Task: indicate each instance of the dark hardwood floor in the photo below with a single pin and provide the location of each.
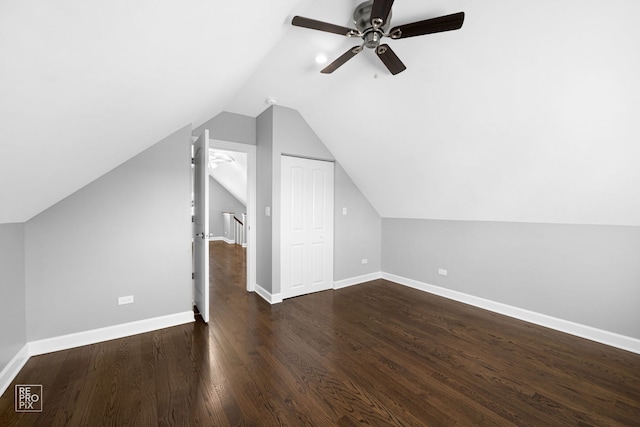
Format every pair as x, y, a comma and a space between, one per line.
374, 354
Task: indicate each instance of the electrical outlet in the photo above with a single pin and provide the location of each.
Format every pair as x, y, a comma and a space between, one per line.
442, 272
364, 260
125, 300
344, 211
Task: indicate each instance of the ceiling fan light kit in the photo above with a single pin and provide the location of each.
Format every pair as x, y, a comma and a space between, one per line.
372, 21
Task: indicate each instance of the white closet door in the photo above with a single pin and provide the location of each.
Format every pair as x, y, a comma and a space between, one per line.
306, 255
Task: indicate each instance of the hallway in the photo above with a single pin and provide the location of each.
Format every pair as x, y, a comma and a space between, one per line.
227, 271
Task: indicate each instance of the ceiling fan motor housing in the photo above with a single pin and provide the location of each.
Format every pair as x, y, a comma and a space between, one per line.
362, 21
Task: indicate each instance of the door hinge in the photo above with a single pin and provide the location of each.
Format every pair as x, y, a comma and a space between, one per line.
193, 161
193, 218
193, 276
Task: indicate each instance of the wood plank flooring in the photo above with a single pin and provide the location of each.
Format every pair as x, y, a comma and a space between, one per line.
376, 354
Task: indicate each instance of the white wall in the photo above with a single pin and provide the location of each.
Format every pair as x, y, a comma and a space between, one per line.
126, 233
13, 331
230, 127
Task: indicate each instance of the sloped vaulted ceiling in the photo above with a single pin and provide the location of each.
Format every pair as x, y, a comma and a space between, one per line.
528, 113
85, 85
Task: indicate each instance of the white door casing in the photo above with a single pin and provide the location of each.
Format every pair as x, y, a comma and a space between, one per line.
201, 225
306, 254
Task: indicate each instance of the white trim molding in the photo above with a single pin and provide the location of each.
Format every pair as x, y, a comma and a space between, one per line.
65, 342
93, 336
339, 284
268, 296
12, 369
221, 238
598, 335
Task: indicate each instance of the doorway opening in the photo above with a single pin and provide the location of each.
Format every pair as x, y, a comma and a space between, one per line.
243, 153
223, 150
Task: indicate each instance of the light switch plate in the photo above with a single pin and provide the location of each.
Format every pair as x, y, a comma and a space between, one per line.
125, 300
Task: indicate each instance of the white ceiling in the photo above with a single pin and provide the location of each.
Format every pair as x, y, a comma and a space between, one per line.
86, 85
528, 113
232, 176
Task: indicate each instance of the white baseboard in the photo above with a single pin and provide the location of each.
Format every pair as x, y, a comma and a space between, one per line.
598, 335
267, 296
222, 238
12, 369
65, 342
357, 280
277, 298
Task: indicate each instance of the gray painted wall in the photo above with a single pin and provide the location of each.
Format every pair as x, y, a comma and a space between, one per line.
230, 127
13, 330
581, 273
282, 130
127, 233
291, 135
264, 196
358, 234
220, 200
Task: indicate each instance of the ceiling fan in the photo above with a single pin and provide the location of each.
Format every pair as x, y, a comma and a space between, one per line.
371, 20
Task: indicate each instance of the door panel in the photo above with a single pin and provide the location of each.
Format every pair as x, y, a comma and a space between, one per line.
201, 225
306, 253
297, 199
318, 198
297, 272
318, 263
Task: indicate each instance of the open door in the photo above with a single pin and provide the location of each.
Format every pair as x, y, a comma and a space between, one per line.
201, 224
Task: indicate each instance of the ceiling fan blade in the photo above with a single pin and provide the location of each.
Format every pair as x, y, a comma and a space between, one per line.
380, 10
340, 61
428, 26
390, 59
300, 21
